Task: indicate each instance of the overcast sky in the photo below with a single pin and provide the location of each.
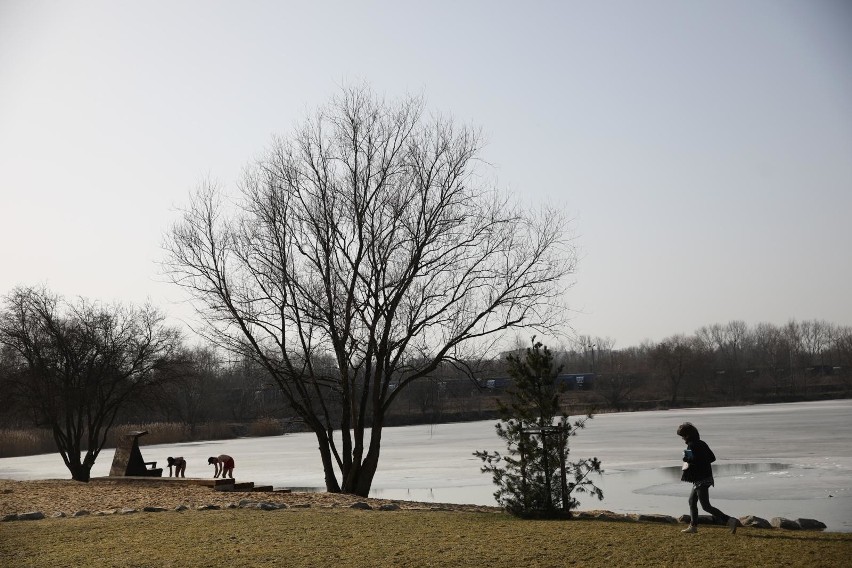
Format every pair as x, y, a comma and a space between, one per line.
703, 149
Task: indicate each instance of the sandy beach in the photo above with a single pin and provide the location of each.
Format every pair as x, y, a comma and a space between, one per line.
53, 496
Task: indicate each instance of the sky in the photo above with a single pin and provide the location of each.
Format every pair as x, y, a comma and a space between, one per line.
703, 150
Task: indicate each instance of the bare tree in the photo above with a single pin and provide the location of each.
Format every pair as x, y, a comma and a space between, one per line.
676, 356
77, 365
189, 394
773, 353
369, 239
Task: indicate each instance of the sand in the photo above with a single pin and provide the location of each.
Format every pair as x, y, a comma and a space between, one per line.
54, 496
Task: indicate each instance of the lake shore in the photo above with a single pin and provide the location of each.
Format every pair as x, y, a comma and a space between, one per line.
51, 496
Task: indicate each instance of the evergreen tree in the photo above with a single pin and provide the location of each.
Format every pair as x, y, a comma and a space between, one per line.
534, 478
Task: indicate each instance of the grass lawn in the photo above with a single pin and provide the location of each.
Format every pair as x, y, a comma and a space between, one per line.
351, 538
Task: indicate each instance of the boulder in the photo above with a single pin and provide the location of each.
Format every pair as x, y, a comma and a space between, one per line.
31, 516
208, 507
154, 509
127, 511
702, 520
58, 515
247, 503
389, 507
756, 522
656, 518
181, 507
784, 523
361, 505
7, 518
81, 513
811, 524
610, 516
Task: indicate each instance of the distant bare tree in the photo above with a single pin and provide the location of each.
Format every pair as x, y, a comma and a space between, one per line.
773, 354
367, 238
676, 357
77, 365
189, 395
617, 389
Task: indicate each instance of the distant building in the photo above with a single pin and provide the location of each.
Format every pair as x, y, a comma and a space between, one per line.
570, 381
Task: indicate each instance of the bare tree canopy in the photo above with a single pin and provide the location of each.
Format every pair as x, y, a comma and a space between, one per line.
75, 365
364, 251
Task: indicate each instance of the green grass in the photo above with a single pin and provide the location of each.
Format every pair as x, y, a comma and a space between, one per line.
350, 538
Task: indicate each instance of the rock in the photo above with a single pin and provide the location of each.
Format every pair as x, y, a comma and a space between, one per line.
301, 506
702, 520
232, 506
7, 518
389, 507
154, 509
656, 519
610, 516
811, 524
756, 522
267, 506
208, 507
81, 513
181, 508
783, 523
58, 515
248, 503
361, 505
31, 516
126, 511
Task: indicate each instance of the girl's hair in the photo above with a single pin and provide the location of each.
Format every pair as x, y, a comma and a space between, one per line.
688, 431
212, 460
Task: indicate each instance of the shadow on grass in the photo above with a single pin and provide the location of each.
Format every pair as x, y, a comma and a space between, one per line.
815, 538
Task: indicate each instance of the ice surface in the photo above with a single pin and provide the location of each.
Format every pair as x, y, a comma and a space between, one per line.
792, 460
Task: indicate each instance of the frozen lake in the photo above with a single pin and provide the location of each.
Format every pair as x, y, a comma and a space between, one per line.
789, 460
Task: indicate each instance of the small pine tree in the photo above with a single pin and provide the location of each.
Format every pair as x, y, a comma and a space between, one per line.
534, 478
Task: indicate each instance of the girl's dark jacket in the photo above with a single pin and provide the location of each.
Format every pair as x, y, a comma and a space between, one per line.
699, 456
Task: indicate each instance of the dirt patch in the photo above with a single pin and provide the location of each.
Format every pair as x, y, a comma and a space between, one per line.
53, 495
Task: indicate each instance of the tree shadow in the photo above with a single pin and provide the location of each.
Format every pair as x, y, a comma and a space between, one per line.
798, 536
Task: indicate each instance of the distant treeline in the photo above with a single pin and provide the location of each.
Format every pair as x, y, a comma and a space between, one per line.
720, 364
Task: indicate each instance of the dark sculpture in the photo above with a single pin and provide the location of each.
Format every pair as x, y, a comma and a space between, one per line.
128, 459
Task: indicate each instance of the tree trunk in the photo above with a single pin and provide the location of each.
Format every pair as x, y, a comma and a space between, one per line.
331, 484
80, 472
364, 479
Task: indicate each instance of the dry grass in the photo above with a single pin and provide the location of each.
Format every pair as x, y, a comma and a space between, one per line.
346, 537
33, 441
25, 442
265, 427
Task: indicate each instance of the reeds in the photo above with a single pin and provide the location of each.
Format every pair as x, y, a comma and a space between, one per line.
28, 442
34, 441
